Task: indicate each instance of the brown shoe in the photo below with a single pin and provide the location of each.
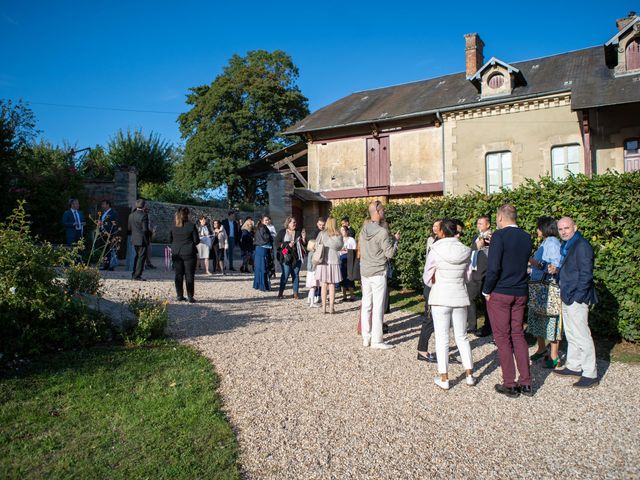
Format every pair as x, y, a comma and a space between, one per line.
280, 295
295, 296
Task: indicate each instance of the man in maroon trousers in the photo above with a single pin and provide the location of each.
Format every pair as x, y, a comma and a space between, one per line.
506, 290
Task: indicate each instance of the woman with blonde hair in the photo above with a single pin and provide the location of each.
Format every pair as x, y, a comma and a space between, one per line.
328, 271
223, 243
247, 236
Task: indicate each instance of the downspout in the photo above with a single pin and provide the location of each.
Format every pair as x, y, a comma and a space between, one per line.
441, 120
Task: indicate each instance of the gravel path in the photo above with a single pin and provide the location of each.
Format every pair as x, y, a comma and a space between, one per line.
308, 401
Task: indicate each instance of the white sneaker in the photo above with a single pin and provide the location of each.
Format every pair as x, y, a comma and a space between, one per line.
382, 346
316, 300
443, 385
366, 341
471, 381
314, 305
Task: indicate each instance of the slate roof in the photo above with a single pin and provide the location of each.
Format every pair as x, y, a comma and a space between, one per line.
584, 73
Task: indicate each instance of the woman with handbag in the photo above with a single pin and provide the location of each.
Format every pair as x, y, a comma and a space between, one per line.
223, 243
545, 325
290, 244
328, 269
204, 247
263, 244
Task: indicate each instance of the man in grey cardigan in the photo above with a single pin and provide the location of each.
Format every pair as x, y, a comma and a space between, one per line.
376, 248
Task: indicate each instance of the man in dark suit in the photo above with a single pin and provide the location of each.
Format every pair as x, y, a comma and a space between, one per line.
232, 228
108, 225
73, 221
479, 261
138, 229
577, 292
506, 289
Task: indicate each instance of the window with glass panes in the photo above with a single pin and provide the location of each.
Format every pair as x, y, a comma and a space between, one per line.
565, 161
499, 172
632, 155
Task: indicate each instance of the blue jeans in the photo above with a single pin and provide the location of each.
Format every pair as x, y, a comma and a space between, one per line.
232, 243
294, 271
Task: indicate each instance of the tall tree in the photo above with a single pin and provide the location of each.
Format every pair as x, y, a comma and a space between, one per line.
237, 119
17, 130
152, 156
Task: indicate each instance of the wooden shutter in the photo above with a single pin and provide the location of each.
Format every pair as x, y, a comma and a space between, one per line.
633, 54
632, 155
378, 163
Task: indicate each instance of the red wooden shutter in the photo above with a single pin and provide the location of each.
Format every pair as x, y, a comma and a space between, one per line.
373, 162
378, 163
633, 54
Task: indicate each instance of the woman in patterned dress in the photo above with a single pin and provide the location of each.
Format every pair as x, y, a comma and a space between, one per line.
545, 328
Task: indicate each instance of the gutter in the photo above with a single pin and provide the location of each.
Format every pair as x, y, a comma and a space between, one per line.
441, 120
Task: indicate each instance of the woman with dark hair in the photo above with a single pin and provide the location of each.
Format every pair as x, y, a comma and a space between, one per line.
264, 246
290, 245
184, 238
445, 271
542, 326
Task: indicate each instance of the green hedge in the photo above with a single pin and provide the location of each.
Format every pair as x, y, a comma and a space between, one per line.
605, 207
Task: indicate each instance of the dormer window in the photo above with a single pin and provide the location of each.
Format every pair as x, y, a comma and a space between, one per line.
622, 51
496, 80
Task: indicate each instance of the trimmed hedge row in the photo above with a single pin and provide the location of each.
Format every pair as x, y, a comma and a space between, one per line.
606, 209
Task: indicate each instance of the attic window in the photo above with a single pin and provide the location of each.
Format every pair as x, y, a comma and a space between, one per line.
496, 80
633, 54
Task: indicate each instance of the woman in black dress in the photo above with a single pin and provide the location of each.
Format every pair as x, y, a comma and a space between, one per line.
184, 238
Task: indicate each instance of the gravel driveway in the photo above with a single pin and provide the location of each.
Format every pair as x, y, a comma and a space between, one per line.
308, 401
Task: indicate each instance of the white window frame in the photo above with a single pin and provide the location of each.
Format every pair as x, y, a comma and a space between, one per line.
561, 167
501, 165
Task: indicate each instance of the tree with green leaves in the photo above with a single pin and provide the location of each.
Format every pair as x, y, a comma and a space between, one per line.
96, 164
237, 119
152, 156
17, 130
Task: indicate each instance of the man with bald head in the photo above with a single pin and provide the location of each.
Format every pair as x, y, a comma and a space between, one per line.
577, 292
376, 249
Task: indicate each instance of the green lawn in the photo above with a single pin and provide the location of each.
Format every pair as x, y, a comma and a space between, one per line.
607, 349
115, 412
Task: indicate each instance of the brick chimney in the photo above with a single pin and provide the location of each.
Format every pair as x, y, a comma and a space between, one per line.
623, 22
473, 53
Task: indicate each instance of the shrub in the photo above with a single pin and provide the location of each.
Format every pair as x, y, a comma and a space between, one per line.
605, 207
152, 316
83, 279
36, 312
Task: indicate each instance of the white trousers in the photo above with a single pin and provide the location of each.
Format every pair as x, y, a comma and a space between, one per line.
581, 352
374, 292
443, 317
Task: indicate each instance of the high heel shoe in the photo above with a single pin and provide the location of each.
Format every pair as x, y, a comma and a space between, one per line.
538, 355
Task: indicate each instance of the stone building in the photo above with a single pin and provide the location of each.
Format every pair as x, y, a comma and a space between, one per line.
490, 127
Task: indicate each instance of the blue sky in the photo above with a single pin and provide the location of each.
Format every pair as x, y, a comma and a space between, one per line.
145, 55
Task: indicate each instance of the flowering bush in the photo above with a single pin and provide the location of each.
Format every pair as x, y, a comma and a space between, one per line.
36, 311
83, 279
152, 318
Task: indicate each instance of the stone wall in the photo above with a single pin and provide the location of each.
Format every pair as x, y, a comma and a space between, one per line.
121, 191
162, 214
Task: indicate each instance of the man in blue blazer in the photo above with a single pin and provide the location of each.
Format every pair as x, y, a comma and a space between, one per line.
73, 221
577, 292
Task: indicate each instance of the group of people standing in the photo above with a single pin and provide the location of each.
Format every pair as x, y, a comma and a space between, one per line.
497, 271
500, 268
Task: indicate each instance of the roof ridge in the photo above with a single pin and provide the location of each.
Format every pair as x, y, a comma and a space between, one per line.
464, 73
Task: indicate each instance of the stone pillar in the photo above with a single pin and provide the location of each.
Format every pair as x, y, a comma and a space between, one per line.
280, 189
125, 187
